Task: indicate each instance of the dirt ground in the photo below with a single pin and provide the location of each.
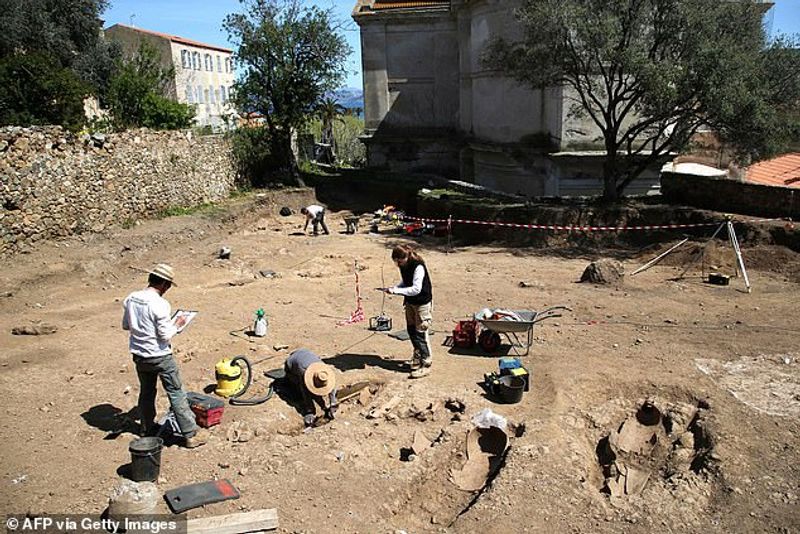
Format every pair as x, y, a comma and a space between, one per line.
720, 364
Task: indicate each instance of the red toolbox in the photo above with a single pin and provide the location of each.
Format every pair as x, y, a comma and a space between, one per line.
465, 334
207, 409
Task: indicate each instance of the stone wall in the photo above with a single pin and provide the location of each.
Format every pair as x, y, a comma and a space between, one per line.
57, 184
731, 196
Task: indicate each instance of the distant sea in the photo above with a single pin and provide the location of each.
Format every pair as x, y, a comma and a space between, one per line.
350, 98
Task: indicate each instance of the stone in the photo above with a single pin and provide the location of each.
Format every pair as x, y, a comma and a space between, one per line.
604, 272
34, 330
22, 143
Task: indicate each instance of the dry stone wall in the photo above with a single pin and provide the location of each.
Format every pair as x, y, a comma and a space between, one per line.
57, 184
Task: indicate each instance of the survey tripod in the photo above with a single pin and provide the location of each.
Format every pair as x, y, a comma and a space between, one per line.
727, 224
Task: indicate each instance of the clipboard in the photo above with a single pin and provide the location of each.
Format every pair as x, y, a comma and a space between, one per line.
189, 315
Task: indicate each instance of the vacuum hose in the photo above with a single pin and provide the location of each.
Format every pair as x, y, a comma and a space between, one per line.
234, 399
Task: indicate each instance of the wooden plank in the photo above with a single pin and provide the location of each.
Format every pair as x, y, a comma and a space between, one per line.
255, 521
351, 390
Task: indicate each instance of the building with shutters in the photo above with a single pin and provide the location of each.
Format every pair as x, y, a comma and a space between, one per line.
204, 73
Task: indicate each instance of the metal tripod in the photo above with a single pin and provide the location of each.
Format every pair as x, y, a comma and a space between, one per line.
734, 241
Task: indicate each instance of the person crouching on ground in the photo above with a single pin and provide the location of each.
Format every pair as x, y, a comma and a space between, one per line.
314, 381
316, 216
418, 301
147, 318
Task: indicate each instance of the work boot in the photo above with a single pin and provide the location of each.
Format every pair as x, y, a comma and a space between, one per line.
422, 371
200, 438
414, 363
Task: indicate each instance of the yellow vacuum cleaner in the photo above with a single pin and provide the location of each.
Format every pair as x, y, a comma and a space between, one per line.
231, 385
229, 377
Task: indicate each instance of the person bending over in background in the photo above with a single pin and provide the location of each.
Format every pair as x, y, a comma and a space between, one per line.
316, 216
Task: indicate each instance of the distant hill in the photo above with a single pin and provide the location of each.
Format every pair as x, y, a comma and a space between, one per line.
350, 98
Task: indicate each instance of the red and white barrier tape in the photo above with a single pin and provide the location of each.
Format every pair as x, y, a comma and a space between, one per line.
358, 315
576, 228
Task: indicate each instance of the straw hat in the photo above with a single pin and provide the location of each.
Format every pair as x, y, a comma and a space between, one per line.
163, 271
319, 379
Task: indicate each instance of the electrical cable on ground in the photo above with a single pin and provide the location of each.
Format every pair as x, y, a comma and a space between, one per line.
238, 333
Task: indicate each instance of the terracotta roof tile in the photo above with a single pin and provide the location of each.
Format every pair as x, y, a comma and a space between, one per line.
781, 171
367, 7
177, 39
400, 4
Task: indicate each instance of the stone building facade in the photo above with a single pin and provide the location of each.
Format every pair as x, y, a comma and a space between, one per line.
204, 73
431, 104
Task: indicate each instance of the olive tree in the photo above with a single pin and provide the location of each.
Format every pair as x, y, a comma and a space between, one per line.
651, 73
289, 55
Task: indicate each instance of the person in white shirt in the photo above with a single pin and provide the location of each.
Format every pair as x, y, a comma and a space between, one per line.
418, 301
147, 317
316, 216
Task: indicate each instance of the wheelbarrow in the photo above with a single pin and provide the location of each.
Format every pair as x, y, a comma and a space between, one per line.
519, 334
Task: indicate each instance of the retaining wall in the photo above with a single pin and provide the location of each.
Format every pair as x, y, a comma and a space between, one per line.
731, 196
56, 184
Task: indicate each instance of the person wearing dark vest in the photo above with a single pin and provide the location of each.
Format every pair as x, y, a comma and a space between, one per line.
418, 302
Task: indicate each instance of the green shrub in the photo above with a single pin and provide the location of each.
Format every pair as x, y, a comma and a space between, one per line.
163, 114
252, 155
206, 129
135, 95
37, 90
350, 151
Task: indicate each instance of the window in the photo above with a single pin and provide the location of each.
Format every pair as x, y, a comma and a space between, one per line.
233, 65
212, 100
199, 91
217, 94
231, 92
189, 95
207, 96
223, 93
196, 60
219, 63
227, 64
186, 59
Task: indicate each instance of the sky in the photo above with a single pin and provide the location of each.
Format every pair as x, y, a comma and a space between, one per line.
201, 20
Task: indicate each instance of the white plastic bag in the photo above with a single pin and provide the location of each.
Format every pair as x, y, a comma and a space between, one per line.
487, 418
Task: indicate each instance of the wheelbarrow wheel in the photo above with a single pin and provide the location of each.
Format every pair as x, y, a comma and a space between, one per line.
489, 341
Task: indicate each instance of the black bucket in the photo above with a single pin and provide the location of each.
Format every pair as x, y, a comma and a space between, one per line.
145, 459
509, 389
